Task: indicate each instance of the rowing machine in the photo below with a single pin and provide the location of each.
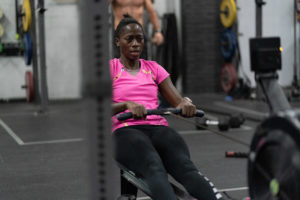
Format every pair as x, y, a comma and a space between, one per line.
274, 158
142, 185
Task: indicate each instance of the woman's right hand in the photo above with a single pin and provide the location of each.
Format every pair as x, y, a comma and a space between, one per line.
138, 111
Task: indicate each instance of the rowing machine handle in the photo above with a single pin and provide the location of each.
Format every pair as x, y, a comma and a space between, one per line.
128, 115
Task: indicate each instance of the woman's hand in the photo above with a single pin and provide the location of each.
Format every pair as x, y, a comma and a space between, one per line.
188, 108
138, 110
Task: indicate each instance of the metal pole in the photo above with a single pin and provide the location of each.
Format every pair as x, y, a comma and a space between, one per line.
95, 44
274, 94
35, 70
259, 4
17, 15
296, 76
42, 57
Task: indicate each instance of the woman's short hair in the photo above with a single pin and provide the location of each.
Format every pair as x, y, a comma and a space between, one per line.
124, 22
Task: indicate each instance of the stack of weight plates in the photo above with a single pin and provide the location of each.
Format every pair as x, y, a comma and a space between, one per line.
228, 75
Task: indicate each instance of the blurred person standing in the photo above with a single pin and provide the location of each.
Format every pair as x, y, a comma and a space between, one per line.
135, 8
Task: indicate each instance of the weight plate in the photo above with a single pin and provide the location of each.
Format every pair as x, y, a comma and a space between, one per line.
26, 15
274, 159
228, 44
228, 77
29, 86
28, 49
227, 12
1, 31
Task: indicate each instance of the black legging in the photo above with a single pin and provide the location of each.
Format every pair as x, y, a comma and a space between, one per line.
152, 151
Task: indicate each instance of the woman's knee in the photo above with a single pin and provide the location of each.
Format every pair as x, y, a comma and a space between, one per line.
172, 145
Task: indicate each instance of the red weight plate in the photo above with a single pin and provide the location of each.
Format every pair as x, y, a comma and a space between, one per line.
29, 86
228, 77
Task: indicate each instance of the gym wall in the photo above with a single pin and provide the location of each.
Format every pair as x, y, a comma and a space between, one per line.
201, 47
63, 50
201, 40
62, 53
277, 21
201, 33
12, 69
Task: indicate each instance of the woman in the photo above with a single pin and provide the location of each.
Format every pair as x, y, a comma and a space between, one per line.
146, 145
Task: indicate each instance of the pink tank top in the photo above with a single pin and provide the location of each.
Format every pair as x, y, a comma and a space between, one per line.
141, 88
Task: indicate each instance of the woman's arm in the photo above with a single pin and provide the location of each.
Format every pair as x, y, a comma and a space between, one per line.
118, 107
158, 37
138, 110
171, 94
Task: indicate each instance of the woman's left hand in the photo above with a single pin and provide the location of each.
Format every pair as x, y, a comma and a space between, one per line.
188, 108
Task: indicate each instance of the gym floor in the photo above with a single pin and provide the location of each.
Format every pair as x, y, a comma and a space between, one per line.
45, 156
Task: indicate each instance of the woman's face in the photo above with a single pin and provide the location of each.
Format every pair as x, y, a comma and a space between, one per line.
131, 41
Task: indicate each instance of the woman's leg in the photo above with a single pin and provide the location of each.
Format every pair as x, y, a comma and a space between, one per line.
176, 158
134, 150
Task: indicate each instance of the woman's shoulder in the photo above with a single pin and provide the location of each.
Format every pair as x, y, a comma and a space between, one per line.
150, 64
115, 66
115, 63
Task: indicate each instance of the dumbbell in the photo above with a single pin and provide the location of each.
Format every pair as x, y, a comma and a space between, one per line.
222, 123
236, 120
232, 121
